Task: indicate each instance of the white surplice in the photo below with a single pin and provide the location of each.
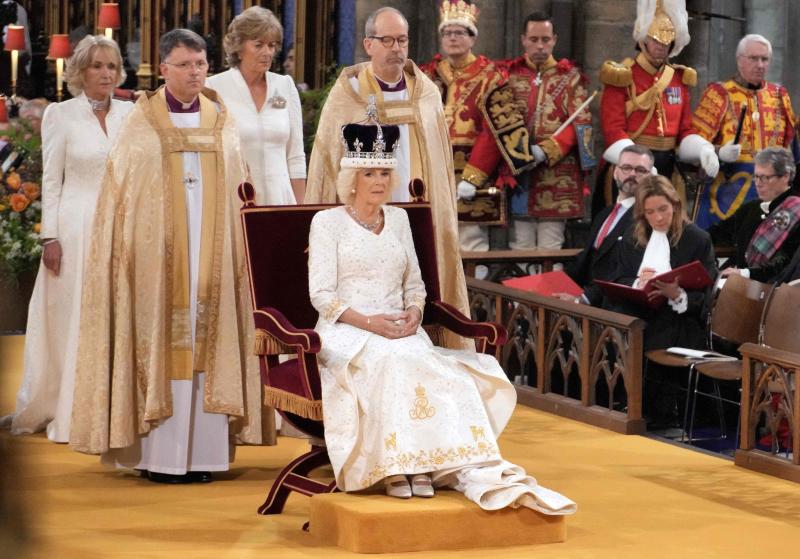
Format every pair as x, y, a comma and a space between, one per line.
74, 154
405, 406
272, 138
191, 439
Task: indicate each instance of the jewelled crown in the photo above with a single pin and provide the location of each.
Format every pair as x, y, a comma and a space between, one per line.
369, 146
458, 12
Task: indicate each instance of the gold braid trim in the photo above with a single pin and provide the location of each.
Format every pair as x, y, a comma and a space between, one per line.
267, 344
689, 74
616, 74
292, 403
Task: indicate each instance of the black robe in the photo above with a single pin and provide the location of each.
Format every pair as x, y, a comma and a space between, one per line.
666, 328
737, 230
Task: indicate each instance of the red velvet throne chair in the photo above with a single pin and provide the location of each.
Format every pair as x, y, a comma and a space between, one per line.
276, 243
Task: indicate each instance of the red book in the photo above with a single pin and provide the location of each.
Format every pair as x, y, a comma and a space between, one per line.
546, 283
691, 276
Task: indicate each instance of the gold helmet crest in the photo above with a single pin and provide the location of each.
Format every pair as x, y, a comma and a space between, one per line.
665, 21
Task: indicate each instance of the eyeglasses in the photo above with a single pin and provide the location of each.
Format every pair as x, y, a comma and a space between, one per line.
631, 169
755, 59
455, 33
388, 41
765, 178
186, 66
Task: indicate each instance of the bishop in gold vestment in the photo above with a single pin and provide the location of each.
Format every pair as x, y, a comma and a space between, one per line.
166, 325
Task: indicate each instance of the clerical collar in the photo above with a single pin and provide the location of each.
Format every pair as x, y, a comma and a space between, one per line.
386, 87
176, 106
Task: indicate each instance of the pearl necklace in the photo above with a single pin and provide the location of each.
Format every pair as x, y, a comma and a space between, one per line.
371, 227
98, 106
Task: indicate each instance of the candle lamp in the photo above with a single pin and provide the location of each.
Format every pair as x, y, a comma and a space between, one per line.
108, 18
59, 50
15, 42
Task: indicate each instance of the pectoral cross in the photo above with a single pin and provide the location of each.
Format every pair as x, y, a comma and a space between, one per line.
190, 181
537, 81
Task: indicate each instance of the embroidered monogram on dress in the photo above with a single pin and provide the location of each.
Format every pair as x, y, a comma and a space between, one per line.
421, 410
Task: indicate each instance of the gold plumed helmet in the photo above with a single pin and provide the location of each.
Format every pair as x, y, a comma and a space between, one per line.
665, 21
458, 12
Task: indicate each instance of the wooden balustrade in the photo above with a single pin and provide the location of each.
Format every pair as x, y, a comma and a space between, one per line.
573, 360
770, 404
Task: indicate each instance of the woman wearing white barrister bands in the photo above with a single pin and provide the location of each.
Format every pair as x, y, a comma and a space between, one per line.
76, 138
265, 106
398, 410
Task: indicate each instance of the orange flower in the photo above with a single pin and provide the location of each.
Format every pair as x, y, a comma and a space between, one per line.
13, 181
19, 202
31, 190
37, 228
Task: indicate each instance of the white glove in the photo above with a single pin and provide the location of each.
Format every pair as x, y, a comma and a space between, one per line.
465, 190
612, 152
695, 149
730, 152
538, 154
709, 161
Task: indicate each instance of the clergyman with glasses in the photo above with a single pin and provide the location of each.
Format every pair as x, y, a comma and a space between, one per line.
599, 258
403, 95
164, 329
764, 231
741, 116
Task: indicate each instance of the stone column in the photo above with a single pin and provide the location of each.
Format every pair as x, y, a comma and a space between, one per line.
770, 18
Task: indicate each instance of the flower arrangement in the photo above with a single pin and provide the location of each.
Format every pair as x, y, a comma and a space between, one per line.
20, 192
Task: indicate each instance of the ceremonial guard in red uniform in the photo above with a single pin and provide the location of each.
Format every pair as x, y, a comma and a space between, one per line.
539, 123
741, 116
646, 100
464, 79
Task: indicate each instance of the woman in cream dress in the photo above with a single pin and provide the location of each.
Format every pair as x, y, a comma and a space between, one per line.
76, 138
395, 405
265, 106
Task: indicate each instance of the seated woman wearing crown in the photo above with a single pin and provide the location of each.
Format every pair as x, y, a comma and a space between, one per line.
395, 406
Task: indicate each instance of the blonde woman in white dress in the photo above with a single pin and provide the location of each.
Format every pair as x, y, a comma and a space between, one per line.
265, 106
397, 410
76, 138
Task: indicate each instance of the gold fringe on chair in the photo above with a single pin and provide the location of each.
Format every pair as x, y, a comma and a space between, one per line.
292, 403
436, 334
266, 344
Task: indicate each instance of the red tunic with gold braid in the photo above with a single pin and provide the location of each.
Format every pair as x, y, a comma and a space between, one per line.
649, 105
770, 122
551, 92
463, 90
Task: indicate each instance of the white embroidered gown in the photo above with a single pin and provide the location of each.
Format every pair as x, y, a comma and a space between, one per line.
272, 138
405, 406
74, 153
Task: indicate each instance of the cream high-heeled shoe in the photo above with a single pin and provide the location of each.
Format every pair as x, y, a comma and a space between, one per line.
422, 486
397, 486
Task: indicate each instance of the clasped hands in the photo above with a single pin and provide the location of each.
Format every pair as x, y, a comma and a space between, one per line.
670, 290
396, 325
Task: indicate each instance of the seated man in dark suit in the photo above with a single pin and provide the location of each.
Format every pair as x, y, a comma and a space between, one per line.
598, 259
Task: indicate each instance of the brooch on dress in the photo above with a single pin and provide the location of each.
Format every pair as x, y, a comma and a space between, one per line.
782, 220
277, 102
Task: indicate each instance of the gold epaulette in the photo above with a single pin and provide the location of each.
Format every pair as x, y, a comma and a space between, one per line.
689, 74
618, 74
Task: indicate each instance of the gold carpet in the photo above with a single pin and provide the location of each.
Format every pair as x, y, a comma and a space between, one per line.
637, 497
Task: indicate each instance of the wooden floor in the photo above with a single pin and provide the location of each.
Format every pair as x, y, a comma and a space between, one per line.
638, 498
